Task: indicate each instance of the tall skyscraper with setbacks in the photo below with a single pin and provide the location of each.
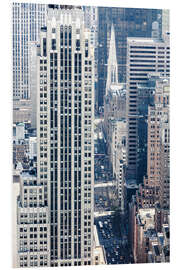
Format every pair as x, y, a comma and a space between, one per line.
65, 110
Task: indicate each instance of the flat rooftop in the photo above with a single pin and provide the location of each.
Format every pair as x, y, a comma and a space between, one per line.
145, 40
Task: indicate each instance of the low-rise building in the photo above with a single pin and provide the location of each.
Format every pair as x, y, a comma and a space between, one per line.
144, 223
149, 246
20, 150
22, 111
32, 224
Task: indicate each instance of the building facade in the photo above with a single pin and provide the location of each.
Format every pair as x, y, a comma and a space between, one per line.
146, 92
164, 191
155, 186
91, 23
32, 58
144, 56
33, 242
65, 150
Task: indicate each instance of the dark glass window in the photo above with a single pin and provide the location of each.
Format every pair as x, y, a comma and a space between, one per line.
53, 44
44, 47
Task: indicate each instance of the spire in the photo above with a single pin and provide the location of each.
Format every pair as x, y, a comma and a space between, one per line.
112, 72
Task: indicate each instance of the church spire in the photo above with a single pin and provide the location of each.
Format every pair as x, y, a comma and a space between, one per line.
112, 68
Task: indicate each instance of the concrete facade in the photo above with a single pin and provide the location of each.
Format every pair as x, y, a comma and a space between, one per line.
33, 242
65, 134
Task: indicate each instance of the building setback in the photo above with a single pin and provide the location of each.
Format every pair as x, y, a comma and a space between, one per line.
65, 149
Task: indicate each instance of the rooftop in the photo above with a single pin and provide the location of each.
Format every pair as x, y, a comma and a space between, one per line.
145, 40
27, 176
112, 120
52, 6
146, 218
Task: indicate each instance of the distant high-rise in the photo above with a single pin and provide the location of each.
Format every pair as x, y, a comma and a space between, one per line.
128, 22
146, 92
165, 22
158, 119
164, 183
144, 56
165, 165
32, 58
65, 111
27, 20
91, 22
155, 188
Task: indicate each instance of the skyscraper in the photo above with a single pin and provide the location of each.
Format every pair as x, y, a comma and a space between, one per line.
27, 20
146, 92
158, 123
65, 110
32, 58
144, 56
156, 184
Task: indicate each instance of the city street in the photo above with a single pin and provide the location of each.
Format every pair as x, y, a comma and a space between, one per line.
115, 244
116, 247
104, 181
